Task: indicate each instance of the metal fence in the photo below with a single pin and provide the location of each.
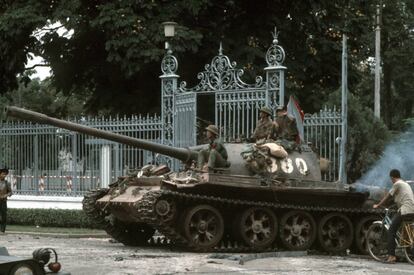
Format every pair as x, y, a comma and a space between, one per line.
322, 130
47, 160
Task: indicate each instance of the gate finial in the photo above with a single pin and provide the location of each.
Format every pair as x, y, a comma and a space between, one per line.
275, 34
221, 48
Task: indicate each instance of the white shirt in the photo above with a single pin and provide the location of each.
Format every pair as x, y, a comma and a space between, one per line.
403, 197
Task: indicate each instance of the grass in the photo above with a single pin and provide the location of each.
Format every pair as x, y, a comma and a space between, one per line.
59, 230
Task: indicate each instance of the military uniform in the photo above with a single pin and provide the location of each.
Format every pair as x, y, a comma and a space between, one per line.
215, 155
5, 190
264, 129
286, 128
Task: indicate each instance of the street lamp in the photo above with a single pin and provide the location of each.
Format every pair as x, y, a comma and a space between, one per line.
169, 28
169, 31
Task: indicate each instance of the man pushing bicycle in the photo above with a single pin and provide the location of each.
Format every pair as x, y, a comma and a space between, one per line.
403, 196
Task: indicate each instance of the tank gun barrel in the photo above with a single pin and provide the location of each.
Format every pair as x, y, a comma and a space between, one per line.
182, 154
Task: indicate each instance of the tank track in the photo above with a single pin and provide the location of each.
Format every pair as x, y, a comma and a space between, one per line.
88, 205
145, 209
99, 217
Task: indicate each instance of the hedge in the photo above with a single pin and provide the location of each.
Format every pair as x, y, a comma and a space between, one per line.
50, 218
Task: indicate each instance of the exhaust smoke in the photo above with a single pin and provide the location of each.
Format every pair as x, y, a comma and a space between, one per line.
399, 154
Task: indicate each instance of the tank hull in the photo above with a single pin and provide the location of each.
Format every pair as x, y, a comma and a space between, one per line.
171, 207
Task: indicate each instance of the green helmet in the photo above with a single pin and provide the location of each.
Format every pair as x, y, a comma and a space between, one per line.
266, 110
213, 129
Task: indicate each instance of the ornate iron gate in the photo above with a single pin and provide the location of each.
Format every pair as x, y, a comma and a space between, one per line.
237, 104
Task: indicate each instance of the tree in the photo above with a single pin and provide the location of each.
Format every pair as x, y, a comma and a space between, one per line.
41, 96
116, 46
367, 136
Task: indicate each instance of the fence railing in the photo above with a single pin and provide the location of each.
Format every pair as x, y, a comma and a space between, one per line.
47, 160
322, 130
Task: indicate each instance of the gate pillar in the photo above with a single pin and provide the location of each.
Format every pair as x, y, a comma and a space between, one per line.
169, 78
275, 75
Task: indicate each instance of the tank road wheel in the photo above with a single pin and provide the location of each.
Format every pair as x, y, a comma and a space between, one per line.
166, 209
335, 232
203, 227
297, 230
258, 227
377, 242
361, 230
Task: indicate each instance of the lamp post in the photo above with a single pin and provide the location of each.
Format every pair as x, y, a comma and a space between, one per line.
169, 31
343, 140
377, 92
169, 79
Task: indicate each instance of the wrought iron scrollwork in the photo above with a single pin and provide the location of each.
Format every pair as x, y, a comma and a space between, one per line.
275, 55
169, 64
220, 75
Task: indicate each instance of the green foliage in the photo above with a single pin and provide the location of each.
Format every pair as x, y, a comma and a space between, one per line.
116, 46
50, 217
43, 97
367, 136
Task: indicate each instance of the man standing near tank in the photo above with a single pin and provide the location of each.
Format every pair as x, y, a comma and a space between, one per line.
5, 191
215, 156
264, 127
403, 196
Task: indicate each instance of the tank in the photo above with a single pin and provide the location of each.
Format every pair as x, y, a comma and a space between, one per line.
262, 201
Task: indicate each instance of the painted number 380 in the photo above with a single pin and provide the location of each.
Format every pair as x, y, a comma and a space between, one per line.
287, 166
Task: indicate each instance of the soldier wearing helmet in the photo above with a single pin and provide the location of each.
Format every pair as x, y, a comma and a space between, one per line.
286, 128
264, 127
215, 156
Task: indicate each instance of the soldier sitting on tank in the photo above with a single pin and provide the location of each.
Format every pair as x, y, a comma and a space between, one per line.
215, 156
286, 131
264, 127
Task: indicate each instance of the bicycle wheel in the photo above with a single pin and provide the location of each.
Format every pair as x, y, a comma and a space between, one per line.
376, 240
409, 254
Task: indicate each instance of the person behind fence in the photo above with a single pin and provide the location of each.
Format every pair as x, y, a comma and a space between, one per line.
68, 184
264, 127
5, 191
285, 125
215, 156
41, 184
403, 196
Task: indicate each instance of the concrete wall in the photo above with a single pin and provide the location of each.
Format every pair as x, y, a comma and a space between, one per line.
45, 202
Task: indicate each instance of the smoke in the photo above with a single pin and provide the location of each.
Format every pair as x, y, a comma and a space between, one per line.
399, 154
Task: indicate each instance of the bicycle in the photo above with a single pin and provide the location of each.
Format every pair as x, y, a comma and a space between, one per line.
376, 237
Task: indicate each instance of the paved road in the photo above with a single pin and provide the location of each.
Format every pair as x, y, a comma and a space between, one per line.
100, 256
